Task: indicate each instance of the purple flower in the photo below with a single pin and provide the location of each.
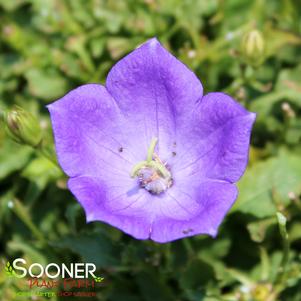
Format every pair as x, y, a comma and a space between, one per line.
148, 153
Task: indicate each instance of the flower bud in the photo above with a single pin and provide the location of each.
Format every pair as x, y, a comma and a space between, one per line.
287, 110
262, 292
23, 127
253, 48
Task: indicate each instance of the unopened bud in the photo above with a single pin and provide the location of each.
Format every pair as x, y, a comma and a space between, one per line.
287, 109
292, 196
262, 292
253, 48
23, 127
191, 53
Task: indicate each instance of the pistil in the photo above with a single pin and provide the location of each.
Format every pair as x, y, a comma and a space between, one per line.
152, 173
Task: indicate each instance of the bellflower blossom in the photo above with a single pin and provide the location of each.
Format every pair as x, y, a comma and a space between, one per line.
148, 153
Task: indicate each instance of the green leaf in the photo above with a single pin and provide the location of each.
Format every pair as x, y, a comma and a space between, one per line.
276, 38
196, 275
152, 286
47, 85
41, 171
295, 232
13, 157
289, 80
17, 244
13, 4
287, 88
258, 228
97, 248
267, 183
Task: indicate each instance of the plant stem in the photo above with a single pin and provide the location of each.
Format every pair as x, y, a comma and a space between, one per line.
21, 211
47, 151
286, 247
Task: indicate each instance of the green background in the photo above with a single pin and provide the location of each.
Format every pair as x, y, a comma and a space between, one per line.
48, 47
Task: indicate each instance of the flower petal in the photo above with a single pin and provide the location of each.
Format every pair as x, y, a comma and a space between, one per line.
122, 207
156, 91
217, 139
88, 134
215, 198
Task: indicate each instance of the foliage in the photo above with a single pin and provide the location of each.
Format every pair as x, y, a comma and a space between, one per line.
50, 47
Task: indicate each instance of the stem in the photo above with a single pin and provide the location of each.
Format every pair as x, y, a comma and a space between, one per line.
265, 264
188, 246
2, 115
21, 211
286, 247
241, 277
47, 151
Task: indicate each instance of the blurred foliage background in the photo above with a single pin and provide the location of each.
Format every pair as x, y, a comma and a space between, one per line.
249, 49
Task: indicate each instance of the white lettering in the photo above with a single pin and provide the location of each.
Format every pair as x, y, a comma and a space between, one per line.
57, 268
69, 271
90, 271
20, 268
79, 269
36, 265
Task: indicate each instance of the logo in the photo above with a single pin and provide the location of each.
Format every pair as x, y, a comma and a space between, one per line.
9, 270
74, 279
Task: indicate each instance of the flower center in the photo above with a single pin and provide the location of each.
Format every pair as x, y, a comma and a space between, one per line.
153, 175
